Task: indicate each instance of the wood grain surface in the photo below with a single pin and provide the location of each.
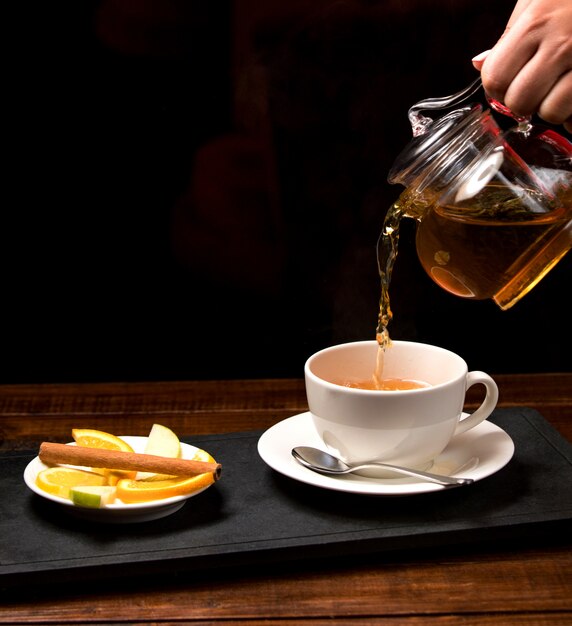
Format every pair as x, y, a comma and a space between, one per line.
506, 584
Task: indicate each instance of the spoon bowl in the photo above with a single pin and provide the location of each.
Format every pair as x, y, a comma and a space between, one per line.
326, 463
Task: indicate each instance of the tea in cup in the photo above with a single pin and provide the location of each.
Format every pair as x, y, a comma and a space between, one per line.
406, 418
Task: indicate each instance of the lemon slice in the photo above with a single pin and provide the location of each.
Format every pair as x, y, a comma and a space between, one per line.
157, 488
59, 480
90, 438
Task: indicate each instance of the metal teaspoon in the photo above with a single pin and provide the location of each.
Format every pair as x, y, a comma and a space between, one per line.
325, 463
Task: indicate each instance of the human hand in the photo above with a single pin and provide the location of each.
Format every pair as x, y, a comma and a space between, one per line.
530, 67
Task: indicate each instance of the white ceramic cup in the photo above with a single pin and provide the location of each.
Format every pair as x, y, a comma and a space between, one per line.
402, 427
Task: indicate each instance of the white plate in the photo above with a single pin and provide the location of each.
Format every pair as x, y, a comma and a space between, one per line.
118, 512
481, 451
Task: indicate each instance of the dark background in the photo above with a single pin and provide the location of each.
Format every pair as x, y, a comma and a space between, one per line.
194, 189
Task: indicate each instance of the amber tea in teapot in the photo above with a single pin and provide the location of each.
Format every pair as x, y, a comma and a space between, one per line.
493, 208
491, 247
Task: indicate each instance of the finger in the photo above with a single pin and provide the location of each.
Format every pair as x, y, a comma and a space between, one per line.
504, 63
545, 80
519, 8
556, 107
516, 46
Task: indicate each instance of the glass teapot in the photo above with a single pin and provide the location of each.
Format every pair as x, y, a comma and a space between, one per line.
494, 208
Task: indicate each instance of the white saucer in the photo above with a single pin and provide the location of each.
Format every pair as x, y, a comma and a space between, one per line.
118, 512
480, 452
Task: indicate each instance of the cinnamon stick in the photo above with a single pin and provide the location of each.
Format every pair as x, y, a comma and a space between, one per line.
59, 453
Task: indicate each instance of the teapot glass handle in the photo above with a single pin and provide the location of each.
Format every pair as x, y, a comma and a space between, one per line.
420, 123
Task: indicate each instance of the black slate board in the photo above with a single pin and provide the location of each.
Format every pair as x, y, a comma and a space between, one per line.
255, 515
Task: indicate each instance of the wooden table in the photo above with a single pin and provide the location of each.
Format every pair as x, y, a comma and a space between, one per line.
500, 584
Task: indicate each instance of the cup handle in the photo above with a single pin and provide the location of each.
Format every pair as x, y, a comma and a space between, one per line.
487, 406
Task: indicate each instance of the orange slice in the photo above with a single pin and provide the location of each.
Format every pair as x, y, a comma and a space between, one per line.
160, 487
90, 438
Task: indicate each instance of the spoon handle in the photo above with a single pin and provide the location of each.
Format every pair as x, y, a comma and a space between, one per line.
434, 478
